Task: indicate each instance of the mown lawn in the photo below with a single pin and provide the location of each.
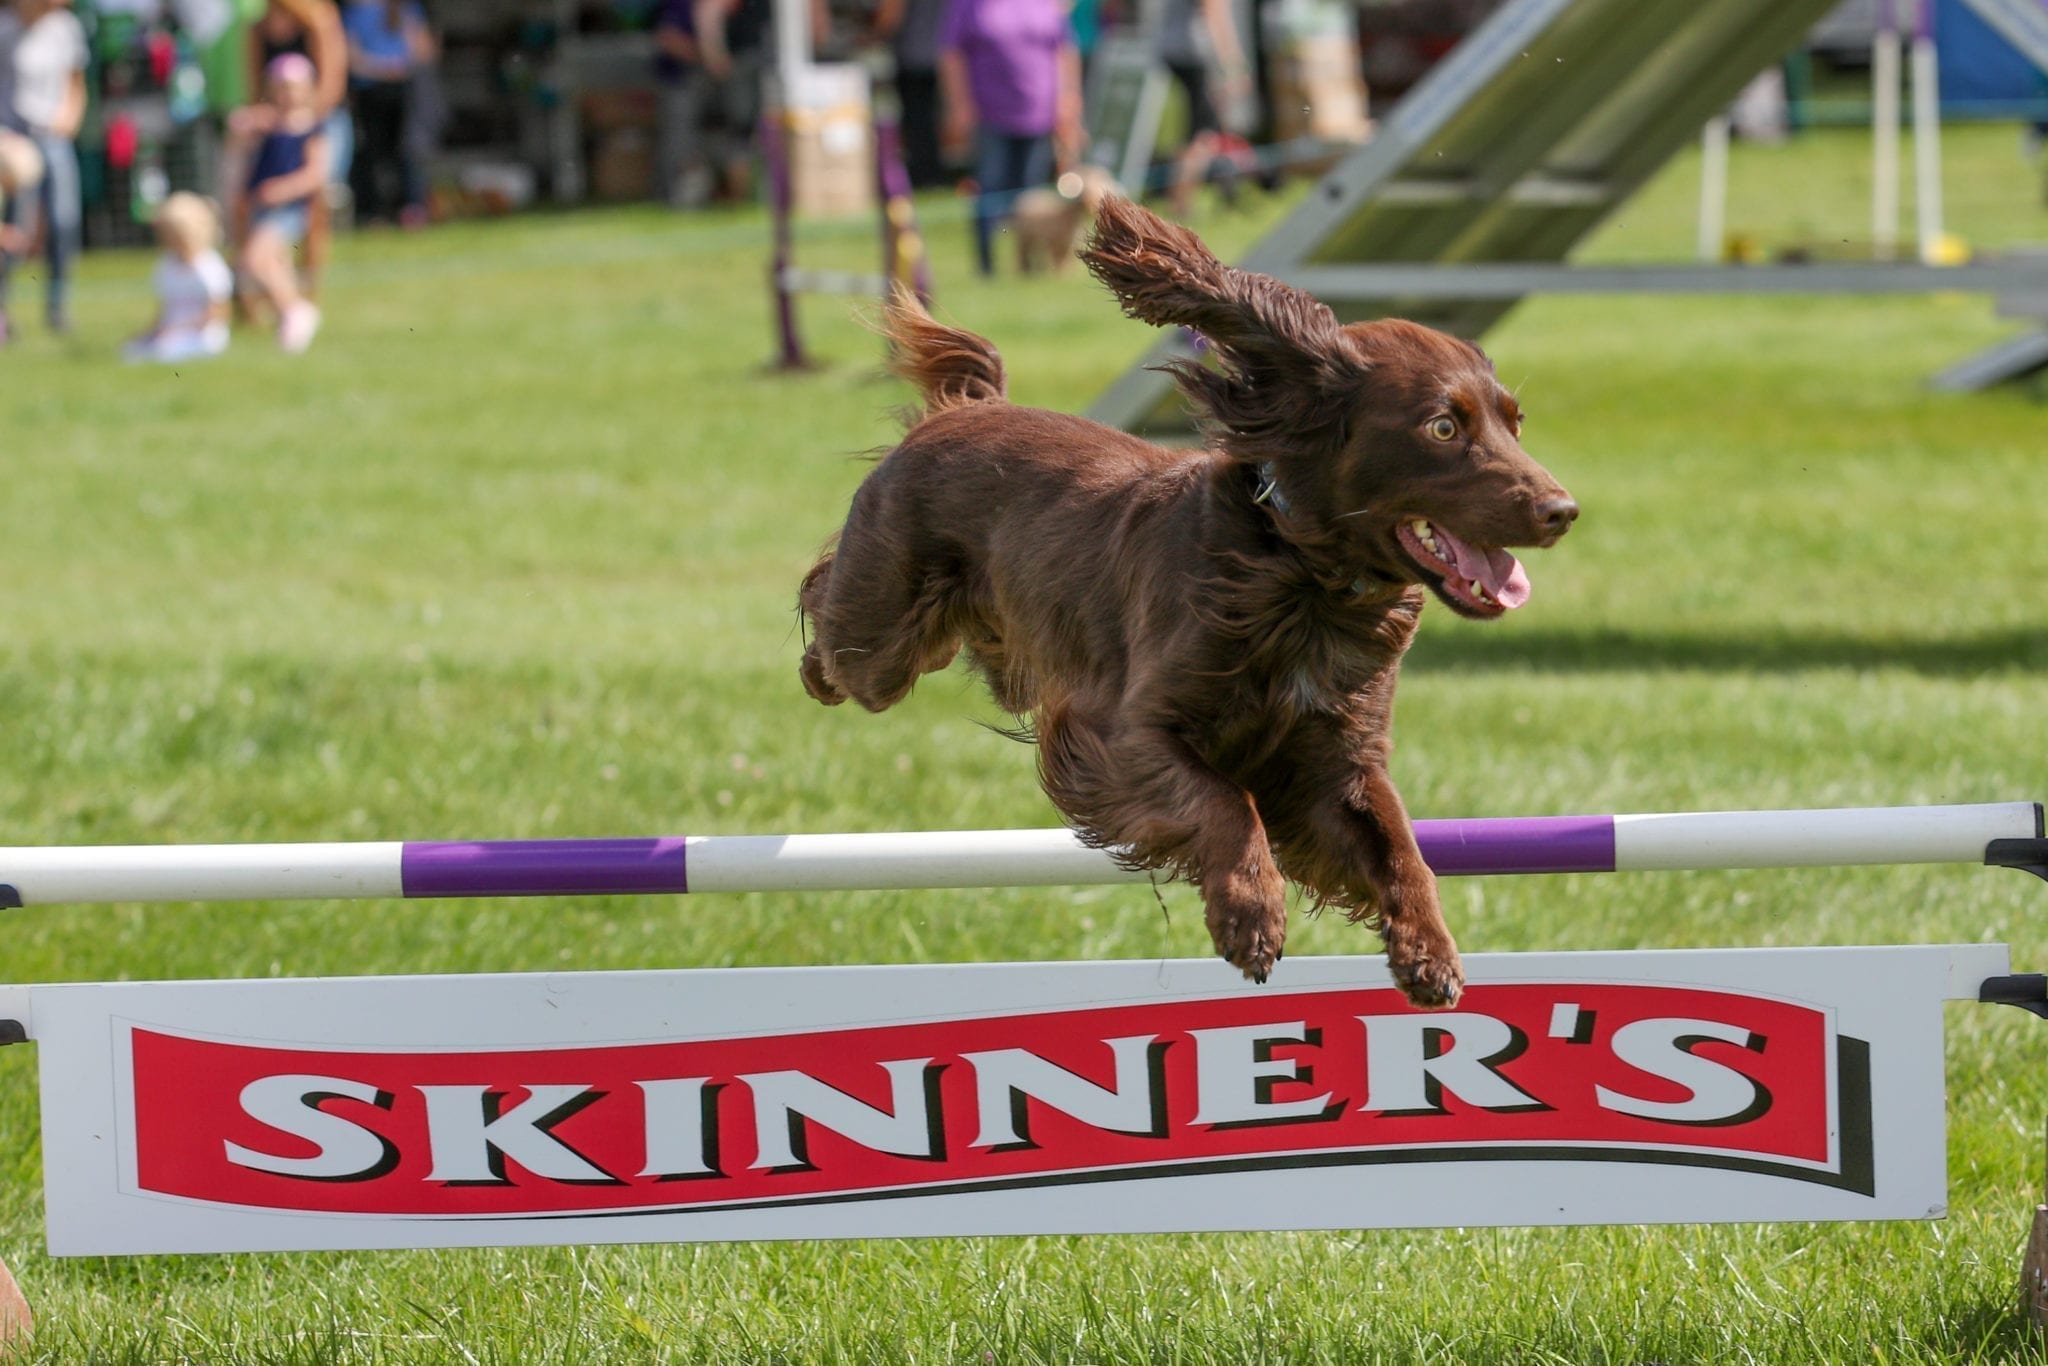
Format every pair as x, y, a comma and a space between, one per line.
512, 553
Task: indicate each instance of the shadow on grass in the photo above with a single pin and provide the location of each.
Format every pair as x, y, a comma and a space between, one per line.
1981, 1331
1710, 652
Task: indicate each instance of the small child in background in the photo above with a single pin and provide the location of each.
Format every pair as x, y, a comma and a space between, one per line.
193, 286
21, 169
289, 168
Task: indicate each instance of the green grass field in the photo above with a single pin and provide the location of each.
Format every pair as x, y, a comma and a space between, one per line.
512, 553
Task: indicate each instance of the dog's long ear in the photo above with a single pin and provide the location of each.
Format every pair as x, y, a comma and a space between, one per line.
1289, 367
1162, 274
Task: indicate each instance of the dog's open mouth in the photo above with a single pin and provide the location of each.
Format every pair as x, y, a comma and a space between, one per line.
1483, 582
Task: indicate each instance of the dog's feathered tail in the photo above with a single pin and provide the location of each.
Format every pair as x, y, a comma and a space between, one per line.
950, 368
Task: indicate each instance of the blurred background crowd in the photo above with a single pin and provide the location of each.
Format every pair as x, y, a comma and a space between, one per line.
431, 109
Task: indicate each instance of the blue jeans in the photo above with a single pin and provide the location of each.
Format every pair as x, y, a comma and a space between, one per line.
286, 220
57, 205
341, 145
1005, 164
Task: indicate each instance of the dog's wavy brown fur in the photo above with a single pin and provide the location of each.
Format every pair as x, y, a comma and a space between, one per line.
1204, 641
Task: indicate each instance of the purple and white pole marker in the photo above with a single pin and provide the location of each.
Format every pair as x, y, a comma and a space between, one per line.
966, 858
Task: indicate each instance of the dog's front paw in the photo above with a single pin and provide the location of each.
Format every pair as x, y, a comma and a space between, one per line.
1248, 922
1425, 965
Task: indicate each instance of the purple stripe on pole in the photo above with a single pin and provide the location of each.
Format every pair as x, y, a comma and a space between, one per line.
544, 868
1520, 844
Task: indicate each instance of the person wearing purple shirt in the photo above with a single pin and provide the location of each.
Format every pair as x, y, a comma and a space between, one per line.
1012, 81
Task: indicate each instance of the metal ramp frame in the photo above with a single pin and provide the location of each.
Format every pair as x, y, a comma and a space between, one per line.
2022, 23
1511, 151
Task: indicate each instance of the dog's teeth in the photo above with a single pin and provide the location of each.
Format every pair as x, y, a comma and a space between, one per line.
1426, 534
1478, 589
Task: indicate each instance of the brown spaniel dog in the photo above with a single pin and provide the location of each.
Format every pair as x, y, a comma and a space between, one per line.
1204, 641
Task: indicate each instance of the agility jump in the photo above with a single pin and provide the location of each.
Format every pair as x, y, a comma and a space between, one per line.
1688, 1086
971, 858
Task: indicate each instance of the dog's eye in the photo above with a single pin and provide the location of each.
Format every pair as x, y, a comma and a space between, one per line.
1442, 428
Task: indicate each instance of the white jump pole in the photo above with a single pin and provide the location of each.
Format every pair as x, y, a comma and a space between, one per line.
1713, 225
971, 858
792, 44
1884, 132
1926, 134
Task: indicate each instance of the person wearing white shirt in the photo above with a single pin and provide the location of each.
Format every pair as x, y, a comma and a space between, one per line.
193, 286
42, 94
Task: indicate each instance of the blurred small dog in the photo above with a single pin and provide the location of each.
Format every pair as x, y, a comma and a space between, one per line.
1048, 223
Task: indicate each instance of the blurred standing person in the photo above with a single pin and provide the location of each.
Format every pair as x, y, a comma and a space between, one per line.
1086, 17
736, 49
911, 28
42, 95
734, 42
426, 118
678, 70
1191, 33
311, 28
387, 41
21, 170
1011, 79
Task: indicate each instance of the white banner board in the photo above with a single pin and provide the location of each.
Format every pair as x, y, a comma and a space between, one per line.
1645, 1087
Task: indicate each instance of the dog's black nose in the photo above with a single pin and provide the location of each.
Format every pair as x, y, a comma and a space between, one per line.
1556, 515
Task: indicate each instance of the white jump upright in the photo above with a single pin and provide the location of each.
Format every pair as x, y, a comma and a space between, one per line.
948, 1099
1926, 67
1885, 85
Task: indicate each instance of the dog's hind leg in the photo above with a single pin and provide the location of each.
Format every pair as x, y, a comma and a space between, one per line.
810, 603
875, 630
1142, 793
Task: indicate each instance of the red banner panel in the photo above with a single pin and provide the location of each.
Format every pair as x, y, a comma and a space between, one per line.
1584, 1071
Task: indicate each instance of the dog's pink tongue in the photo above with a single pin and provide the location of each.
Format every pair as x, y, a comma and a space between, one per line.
1502, 574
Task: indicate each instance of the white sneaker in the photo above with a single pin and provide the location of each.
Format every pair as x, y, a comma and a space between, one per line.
295, 332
